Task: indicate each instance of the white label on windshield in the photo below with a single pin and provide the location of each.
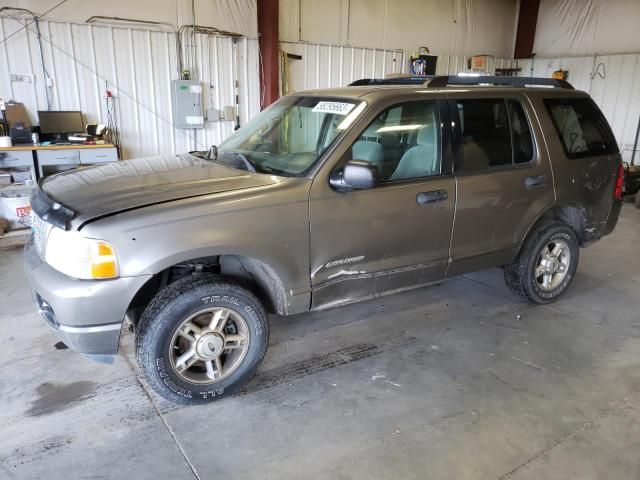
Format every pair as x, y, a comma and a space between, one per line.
339, 108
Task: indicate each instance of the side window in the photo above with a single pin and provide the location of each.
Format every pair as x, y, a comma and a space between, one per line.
583, 130
403, 141
494, 133
522, 140
486, 139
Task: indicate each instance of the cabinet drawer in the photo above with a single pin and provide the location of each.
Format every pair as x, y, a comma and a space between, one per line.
98, 155
58, 157
16, 159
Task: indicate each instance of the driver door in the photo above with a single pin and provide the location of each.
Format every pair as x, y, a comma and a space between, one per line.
395, 235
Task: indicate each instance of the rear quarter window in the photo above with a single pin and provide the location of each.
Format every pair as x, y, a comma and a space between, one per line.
581, 127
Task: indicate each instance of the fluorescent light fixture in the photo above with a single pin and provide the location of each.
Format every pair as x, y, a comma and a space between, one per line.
399, 128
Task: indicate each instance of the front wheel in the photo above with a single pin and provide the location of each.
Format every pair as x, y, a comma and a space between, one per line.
201, 338
546, 264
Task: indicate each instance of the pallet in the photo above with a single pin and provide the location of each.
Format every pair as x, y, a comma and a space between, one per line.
15, 238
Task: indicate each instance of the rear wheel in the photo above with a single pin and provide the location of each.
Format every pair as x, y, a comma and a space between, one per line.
546, 264
201, 338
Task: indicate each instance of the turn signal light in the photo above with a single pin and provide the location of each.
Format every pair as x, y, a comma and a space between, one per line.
103, 264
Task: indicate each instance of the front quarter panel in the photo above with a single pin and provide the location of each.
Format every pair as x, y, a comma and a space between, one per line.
269, 224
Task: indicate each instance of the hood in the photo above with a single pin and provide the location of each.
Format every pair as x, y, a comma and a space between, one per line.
114, 187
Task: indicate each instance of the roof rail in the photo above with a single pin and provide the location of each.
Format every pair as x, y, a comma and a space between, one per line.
445, 80
412, 80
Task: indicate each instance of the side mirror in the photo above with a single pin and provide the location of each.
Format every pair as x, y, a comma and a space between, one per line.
355, 175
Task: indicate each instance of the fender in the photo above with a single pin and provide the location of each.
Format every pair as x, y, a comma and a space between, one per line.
271, 238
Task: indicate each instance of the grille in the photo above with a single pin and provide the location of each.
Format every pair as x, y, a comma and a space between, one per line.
41, 230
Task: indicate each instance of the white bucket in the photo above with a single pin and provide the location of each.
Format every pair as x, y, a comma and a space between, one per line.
16, 209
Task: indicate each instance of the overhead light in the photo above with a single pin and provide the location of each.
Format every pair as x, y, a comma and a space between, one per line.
398, 128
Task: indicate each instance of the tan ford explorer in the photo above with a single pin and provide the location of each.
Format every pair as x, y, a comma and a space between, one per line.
326, 197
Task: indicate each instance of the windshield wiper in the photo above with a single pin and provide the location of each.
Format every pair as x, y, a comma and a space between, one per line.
243, 162
237, 160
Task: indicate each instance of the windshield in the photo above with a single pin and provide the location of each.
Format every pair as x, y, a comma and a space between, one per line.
290, 136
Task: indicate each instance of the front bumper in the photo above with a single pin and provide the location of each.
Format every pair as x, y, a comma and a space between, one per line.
86, 315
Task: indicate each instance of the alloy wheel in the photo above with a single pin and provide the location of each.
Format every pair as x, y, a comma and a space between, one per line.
209, 345
552, 265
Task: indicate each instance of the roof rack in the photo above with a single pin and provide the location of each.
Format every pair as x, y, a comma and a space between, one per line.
522, 82
413, 80
446, 80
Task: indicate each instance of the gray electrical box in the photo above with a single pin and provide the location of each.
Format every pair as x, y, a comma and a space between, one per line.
186, 98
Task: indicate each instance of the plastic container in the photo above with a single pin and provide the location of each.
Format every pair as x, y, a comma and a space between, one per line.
16, 209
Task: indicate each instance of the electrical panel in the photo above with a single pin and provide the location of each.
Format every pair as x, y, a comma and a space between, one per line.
186, 98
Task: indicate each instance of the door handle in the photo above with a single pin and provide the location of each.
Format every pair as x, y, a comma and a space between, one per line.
535, 181
431, 197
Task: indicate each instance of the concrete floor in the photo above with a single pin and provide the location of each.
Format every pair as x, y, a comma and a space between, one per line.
460, 381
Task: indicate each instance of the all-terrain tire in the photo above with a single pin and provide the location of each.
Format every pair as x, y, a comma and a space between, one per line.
520, 276
169, 309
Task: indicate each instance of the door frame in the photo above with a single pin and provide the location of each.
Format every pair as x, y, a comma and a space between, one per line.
541, 158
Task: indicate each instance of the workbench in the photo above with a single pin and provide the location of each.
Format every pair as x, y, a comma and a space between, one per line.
47, 159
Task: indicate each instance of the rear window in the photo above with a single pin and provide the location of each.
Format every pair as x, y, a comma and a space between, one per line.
583, 130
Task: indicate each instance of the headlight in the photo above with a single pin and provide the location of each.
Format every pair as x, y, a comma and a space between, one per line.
80, 257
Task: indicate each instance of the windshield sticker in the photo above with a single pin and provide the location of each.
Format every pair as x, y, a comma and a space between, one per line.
339, 108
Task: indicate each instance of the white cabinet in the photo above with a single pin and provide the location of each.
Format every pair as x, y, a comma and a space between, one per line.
58, 157
58, 160
9, 159
13, 161
98, 155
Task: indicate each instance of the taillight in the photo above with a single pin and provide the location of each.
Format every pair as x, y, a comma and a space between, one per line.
617, 191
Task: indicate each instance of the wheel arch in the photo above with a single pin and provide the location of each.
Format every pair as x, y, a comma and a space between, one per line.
572, 215
254, 274
263, 280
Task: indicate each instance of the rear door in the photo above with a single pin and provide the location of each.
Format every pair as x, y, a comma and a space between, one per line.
503, 175
397, 234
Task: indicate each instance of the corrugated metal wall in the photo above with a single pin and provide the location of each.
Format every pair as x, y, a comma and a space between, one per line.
325, 66
454, 64
614, 83
137, 65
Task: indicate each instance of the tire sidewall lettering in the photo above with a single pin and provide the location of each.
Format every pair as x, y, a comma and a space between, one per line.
256, 320
211, 394
216, 299
166, 379
221, 299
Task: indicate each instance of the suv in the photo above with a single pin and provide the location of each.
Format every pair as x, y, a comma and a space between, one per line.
326, 197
